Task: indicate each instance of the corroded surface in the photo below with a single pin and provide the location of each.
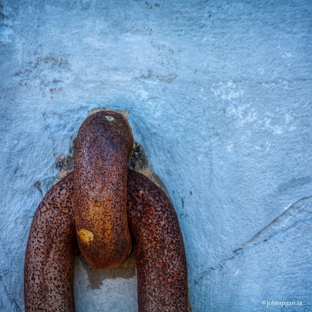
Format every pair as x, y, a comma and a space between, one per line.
49, 263
160, 257
103, 146
95, 205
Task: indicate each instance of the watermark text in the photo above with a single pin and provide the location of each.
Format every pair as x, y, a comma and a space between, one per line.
273, 303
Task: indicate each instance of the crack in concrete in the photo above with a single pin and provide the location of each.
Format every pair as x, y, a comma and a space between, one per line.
280, 224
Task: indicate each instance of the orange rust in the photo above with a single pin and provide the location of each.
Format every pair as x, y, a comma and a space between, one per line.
102, 149
50, 252
159, 249
94, 205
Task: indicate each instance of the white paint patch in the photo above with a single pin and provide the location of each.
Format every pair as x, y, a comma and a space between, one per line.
246, 136
143, 94
288, 119
275, 129
155, 106
286, 55
230, 147
226, 91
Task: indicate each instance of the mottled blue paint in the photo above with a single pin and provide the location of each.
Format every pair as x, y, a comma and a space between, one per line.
219, 95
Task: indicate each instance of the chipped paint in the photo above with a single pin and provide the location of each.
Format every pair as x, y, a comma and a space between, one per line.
86, 236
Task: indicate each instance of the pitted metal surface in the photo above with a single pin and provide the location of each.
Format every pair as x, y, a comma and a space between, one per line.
103, 146
50, 254
160, 257
99, 205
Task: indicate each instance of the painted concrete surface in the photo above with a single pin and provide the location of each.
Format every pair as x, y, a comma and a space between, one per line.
219, 96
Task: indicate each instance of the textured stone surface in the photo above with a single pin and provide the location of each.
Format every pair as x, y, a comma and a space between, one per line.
218, 94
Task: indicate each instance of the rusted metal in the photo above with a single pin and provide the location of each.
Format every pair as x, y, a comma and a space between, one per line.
159, 254
95, 205
103, 146
50, 252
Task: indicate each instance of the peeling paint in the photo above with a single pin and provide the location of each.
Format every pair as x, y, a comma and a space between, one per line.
86, 236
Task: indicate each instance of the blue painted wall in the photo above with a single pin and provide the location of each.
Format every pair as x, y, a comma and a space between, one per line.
219, 95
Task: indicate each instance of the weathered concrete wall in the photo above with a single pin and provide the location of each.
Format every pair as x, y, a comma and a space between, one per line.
219, 95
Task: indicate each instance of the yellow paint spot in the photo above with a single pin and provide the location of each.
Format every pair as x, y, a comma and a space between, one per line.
85, 235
